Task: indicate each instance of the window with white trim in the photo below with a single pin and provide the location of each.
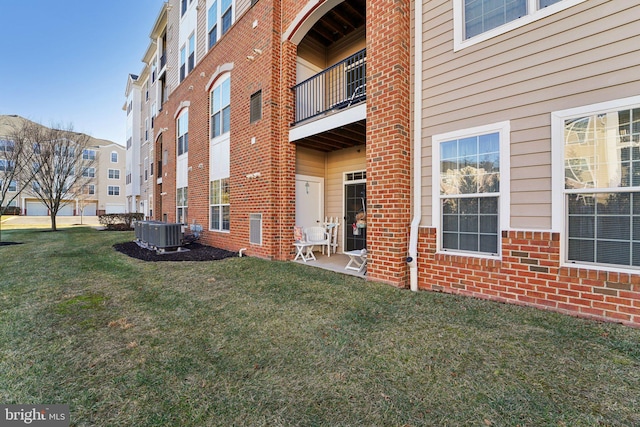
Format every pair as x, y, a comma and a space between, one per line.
89, 172
220, 105
6, 145
183, 133
6, 165
114, 157
13, 186
219, 155
191, 60
596, 183
113, 190
88, 154
219, 205
219, 19
470, 198
114, 173
478, 20
183, 61
181, 205
89, 189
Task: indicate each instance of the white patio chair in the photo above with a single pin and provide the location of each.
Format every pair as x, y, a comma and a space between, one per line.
318, 236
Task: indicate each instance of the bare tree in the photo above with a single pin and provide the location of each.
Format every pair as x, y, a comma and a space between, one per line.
60, 162
16, 171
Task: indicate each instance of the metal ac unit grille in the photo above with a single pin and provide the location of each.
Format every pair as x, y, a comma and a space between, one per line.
158, 235
255, 229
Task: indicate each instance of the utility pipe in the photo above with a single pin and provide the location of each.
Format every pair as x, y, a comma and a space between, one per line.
412, 259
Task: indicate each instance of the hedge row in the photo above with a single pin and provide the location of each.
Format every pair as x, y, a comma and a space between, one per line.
120, 220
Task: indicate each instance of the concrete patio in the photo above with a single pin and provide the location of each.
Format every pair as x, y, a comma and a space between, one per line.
336, 262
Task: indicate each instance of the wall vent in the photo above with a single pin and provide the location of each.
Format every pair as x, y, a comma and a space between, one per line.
255, 229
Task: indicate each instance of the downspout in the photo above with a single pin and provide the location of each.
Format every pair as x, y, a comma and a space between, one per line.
412, 259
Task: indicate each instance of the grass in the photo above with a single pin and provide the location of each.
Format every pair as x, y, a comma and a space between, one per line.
246, 341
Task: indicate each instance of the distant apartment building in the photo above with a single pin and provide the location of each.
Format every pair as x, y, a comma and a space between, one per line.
491, 146
142, 94
104, 191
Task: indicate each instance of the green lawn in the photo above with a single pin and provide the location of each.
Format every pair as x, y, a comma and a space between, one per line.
249, 342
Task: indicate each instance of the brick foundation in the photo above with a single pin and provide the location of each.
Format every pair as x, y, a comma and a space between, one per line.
530, 274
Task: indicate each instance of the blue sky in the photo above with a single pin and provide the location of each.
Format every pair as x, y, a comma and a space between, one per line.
67, 61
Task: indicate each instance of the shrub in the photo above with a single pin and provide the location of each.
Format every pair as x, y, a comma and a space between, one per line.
11, 210
120, 221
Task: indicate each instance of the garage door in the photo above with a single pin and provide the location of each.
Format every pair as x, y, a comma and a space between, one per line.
111, 208
90, 209
66, 210
37, 209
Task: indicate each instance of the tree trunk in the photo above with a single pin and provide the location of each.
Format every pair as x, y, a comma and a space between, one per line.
53, 223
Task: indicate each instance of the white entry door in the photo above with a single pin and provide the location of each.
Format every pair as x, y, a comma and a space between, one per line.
309, 201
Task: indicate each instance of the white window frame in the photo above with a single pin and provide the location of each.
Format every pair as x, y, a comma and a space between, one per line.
217, 26
191, 53
88, 154
89, 172
504, 199
219, 204
113, 190
182, 195
89, 189
183, 63
114, 153
182, 133
111, 174
218, 87
13, 186
559, 212
533, 14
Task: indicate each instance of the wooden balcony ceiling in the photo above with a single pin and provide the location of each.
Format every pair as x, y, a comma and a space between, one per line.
340, 21
346, 136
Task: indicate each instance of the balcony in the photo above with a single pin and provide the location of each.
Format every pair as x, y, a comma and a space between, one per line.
337, 87
163, 60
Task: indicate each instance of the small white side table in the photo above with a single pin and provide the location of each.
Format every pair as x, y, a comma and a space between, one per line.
357, 261
304, 251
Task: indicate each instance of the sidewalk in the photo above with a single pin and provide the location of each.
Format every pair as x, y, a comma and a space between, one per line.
10, 222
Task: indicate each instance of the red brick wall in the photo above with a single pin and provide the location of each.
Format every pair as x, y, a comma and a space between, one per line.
273, 156
388, 139
529, 273
255, 195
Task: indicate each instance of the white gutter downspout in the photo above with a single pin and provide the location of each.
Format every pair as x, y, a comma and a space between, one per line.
412, 259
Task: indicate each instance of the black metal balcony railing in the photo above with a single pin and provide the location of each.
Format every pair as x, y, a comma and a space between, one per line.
338, 86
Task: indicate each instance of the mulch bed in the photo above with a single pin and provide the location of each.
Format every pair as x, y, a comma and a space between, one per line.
9, 243
196, 252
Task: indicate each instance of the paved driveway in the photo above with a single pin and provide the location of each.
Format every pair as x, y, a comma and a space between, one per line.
24, 221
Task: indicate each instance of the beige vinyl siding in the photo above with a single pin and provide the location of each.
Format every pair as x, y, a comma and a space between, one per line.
310, 162
584, 54
202, 39
173, 51
338, 163
241, 7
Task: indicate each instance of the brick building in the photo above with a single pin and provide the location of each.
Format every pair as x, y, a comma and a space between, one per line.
280, 113
277, 113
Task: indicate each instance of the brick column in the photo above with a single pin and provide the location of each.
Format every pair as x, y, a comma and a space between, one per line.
286, 151
388, 139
